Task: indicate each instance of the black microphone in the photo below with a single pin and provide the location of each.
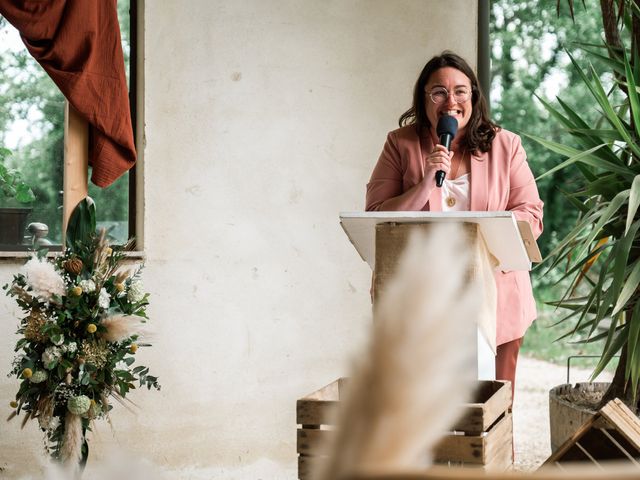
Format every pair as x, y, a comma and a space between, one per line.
446, 130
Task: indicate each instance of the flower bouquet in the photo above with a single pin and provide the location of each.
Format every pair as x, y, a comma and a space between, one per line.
84, 314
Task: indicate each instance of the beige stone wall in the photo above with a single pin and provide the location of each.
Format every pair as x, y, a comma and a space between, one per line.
263, 122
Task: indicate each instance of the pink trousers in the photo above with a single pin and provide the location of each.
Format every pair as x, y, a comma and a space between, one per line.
506, 362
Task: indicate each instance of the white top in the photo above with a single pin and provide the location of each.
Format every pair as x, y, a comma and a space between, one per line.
455, 194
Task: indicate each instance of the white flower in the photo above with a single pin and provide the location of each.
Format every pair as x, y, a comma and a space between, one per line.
88, 286
39, 376
79, 404
48, 423
71, 347
59, 340
43, 278
136, 291
49, 355
54, 423
104, 299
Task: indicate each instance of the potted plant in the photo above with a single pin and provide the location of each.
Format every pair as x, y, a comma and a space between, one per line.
16, 195
602, 251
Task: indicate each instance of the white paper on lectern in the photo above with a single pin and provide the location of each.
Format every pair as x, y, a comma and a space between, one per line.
499, 229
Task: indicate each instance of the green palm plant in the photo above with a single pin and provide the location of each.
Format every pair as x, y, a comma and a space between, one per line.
602, 252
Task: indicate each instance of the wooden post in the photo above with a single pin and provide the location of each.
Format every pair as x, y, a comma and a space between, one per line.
76, 163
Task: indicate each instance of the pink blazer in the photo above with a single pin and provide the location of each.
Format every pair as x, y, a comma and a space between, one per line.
500, 180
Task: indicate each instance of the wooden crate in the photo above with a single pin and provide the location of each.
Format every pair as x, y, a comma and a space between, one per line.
610, 435
482, 437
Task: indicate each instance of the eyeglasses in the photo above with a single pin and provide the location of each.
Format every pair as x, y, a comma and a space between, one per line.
440, 95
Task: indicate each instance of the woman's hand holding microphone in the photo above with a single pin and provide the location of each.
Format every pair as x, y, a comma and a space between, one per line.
439, 159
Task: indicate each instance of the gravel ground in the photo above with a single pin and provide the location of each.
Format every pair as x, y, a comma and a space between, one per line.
531, 408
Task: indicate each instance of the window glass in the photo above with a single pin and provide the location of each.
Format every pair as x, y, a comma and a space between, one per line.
32, 139
32, 128
112, 203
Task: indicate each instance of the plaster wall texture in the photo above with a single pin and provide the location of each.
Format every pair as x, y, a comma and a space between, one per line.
263, 122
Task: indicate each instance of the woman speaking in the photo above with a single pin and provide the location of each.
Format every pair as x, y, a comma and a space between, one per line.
485, 170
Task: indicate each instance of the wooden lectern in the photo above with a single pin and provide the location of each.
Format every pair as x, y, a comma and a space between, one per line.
380, 239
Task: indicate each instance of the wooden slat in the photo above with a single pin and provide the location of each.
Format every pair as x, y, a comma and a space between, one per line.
568, 444
497, 404
580, 472
475, 449
460, 448
494, 399
500, 440
315, 412
76, 163
318, 407
342, 384
492, 451
304, 467
502, 461
471, 420
307, 464
588, 455
623, 419
391, 239
312, 441
620, 447
328, 392
614, 415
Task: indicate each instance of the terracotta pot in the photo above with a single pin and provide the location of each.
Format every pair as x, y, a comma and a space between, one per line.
566, 417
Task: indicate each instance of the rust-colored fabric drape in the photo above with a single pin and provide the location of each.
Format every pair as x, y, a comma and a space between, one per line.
77, 42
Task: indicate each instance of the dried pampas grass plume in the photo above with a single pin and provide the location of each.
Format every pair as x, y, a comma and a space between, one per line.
43, 278
71, 451
406, 391
120, 327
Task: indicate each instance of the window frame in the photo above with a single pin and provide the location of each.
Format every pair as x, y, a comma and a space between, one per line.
76, 146
484, 52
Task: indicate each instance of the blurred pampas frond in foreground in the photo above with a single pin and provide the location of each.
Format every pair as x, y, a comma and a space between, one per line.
406, 390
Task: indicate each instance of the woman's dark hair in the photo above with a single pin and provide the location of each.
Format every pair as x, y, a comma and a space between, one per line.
480, 130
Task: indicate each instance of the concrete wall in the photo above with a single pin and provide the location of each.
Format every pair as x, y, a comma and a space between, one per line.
263, 122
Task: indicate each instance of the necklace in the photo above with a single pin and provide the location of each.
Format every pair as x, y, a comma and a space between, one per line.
455, 172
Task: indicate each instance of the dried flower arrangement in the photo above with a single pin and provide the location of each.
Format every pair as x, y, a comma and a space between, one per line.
84, 314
